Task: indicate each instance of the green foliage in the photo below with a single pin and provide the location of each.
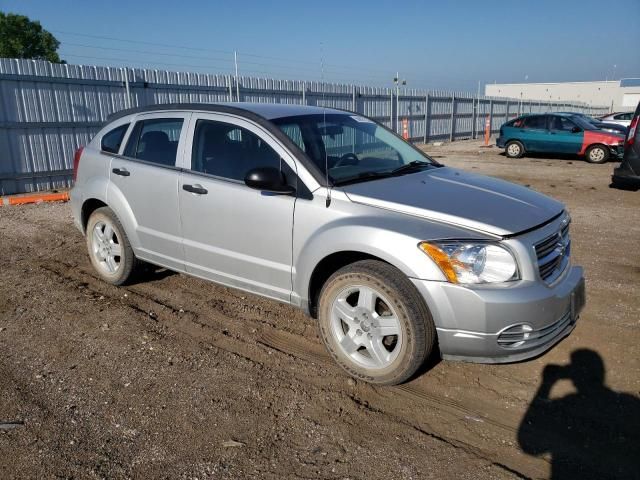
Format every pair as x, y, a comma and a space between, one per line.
23, 38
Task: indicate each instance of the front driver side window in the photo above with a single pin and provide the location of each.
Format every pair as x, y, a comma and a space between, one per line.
229, 151
562, 124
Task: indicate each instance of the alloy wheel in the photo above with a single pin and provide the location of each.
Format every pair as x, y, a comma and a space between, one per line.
106, 247
366, 327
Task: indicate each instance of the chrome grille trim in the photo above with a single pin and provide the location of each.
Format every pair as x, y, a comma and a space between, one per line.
553, 254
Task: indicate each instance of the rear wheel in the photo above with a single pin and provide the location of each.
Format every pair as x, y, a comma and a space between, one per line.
374, 322
597, 154
514, 149
109, 248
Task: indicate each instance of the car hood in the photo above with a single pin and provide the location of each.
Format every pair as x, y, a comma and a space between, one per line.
609, 138
460, 198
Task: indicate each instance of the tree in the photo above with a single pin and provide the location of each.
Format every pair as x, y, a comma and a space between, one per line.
23, 38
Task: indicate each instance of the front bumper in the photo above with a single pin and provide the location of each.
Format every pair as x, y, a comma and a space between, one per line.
500, 142
478, 324
616, 151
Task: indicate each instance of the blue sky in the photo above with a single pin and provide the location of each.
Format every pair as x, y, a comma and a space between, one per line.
433, 44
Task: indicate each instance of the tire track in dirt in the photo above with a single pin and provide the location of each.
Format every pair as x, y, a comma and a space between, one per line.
241, 339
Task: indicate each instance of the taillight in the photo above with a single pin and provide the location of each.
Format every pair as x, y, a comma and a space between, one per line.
76, 163
631, 136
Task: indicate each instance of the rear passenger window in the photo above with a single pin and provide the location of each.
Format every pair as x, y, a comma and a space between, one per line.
112, 140
155, 140
229, 151
538, 122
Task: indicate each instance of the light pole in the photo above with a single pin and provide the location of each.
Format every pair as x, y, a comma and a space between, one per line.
520, 105
397, 81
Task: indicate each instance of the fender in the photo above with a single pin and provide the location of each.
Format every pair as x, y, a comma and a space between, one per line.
591, 137
393, 238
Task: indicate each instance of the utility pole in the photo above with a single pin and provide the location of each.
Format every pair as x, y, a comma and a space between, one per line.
235, 61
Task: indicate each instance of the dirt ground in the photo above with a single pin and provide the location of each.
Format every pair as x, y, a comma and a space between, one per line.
174, 377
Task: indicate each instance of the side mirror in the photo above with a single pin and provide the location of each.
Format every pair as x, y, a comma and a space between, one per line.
576, 130
268, 179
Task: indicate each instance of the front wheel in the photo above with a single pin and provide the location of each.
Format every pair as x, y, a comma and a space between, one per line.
597, 154
374, 322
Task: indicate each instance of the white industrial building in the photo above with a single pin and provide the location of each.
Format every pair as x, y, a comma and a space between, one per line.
618, 95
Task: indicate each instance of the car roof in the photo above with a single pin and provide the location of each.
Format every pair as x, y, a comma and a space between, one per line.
268, 111
562, 114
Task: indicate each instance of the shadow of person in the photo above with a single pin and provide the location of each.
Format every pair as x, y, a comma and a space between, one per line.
592, 433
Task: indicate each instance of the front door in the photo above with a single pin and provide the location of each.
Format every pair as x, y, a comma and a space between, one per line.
566, 136
147, 178
233, 234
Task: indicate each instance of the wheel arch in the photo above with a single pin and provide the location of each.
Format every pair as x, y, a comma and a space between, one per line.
327, 267
89, 206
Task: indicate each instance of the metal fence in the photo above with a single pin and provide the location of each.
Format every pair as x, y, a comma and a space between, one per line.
49, 110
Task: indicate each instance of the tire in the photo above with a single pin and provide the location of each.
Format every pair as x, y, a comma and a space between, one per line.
109, 249
597, 154
362, 302
514, 149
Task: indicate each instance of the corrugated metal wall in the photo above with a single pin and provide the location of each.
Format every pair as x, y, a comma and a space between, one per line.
48, 110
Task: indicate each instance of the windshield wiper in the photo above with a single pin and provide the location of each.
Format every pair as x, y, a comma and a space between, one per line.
363, 177
407, 167
415, 165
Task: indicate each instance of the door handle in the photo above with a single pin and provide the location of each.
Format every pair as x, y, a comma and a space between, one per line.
195, 189
123, 172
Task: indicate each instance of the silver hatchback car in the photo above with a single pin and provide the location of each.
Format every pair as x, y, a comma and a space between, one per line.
396, 255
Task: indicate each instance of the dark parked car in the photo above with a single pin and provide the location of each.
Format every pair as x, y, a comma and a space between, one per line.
606, 126
561, 133
628, 173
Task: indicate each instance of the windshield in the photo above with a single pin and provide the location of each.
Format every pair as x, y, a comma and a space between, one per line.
354, 147
583, 123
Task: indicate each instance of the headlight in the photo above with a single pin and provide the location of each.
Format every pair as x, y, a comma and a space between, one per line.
472, 262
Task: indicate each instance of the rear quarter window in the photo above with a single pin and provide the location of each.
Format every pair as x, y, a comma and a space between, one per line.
112, 140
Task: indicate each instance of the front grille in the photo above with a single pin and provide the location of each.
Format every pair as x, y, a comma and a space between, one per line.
553, 254
523, 336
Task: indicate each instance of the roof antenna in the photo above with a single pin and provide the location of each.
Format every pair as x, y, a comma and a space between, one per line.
324, 125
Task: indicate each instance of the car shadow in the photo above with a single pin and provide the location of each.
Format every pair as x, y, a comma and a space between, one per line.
150, 273
593, 432
625, 186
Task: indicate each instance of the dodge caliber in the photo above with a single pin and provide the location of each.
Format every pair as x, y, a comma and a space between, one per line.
397, 256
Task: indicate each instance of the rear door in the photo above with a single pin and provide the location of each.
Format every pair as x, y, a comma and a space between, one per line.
566, 136
233, 234
534, 133
146, 177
